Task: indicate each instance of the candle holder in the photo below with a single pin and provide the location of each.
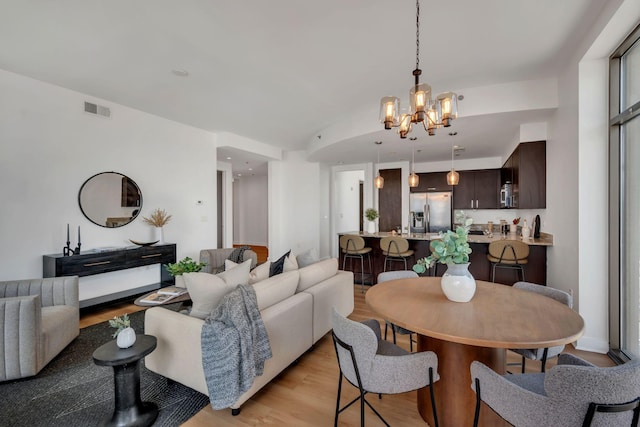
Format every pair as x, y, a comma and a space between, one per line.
67, 251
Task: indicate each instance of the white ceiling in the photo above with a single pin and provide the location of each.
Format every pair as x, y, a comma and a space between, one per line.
282, 71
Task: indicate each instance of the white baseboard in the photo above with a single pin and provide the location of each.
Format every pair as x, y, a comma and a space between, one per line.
595, 345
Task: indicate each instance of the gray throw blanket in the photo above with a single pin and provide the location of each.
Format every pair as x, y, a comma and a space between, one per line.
235, 346
236, 255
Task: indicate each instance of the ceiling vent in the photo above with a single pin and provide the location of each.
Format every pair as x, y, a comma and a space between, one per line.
97, 110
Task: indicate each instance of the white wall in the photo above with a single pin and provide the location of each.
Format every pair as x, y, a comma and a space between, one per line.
577, 173
250, 201
294, 204
326, 238
49, 147
347, 213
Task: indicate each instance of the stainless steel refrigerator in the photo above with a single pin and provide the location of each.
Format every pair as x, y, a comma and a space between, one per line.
430, 212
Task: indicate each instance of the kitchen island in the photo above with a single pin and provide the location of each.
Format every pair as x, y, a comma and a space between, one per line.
480, 267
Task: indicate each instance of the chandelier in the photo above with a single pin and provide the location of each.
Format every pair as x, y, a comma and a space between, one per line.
423, 109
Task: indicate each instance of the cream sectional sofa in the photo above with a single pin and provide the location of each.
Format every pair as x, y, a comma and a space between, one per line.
296, 310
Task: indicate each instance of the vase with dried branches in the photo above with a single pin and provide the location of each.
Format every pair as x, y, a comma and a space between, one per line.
158, 218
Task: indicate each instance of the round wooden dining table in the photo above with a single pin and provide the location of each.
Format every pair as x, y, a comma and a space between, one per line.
497, 318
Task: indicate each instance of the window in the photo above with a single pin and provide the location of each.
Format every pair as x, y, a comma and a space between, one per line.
624, 184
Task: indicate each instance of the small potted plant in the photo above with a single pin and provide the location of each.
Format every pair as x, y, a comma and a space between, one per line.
125, 335
371, 215
186, 265
158, 218
452, 249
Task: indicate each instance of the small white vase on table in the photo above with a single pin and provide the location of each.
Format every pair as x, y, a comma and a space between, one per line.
452, 249
125, 335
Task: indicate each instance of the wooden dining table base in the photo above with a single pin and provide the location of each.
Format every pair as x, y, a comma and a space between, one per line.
455, 400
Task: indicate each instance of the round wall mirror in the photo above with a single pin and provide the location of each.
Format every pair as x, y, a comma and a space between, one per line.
110, 199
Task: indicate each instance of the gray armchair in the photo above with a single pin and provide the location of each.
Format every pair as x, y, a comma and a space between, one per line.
377, 366
563, 395
542, 354
214, 258
38, 319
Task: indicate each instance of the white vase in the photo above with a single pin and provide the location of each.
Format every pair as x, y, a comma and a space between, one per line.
371, 227
179, 281
126, 338
526, 231
457, 283
159, 234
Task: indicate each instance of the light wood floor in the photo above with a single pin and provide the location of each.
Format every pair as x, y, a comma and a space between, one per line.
304, 394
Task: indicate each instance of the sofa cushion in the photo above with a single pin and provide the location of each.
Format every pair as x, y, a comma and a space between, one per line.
277, 267
262, 271
206, 290
275, 289
238, 274
259, 273
307, 258
315, 273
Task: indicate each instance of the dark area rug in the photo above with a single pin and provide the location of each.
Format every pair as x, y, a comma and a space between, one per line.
73, 391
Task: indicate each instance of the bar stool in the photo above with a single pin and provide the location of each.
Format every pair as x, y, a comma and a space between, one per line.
353, 247
508, 254
395, 249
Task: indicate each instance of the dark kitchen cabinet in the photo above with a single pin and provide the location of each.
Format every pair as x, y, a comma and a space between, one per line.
526, 169
430, 182
477, 189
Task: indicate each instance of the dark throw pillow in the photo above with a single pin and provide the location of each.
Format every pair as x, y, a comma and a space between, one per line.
277, 267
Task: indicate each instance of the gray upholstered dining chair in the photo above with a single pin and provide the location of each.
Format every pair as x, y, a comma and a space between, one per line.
376, 366
395, 329
572, 393
38, 319
542, 354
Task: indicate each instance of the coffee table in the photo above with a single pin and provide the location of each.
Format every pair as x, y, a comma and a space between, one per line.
180, 298
129, 409
498, 317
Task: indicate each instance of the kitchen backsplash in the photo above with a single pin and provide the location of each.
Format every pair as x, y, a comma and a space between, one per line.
483, 216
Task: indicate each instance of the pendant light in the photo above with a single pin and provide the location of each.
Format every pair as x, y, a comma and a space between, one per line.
423, 109
379, 180
453, 177
414, 179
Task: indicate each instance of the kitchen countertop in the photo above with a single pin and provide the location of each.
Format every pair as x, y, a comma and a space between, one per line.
545, 239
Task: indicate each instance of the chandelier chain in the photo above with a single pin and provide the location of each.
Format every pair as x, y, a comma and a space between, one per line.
417, 34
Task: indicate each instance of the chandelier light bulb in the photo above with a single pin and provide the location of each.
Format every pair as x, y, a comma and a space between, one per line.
378, 181
414, 180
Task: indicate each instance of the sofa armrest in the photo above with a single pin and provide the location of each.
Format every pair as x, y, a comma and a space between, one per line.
214, 258
20, 320
178, 353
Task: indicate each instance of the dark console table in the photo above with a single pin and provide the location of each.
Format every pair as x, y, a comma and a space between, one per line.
96, 262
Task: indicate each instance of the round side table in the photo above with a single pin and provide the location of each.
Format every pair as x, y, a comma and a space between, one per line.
130, 410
